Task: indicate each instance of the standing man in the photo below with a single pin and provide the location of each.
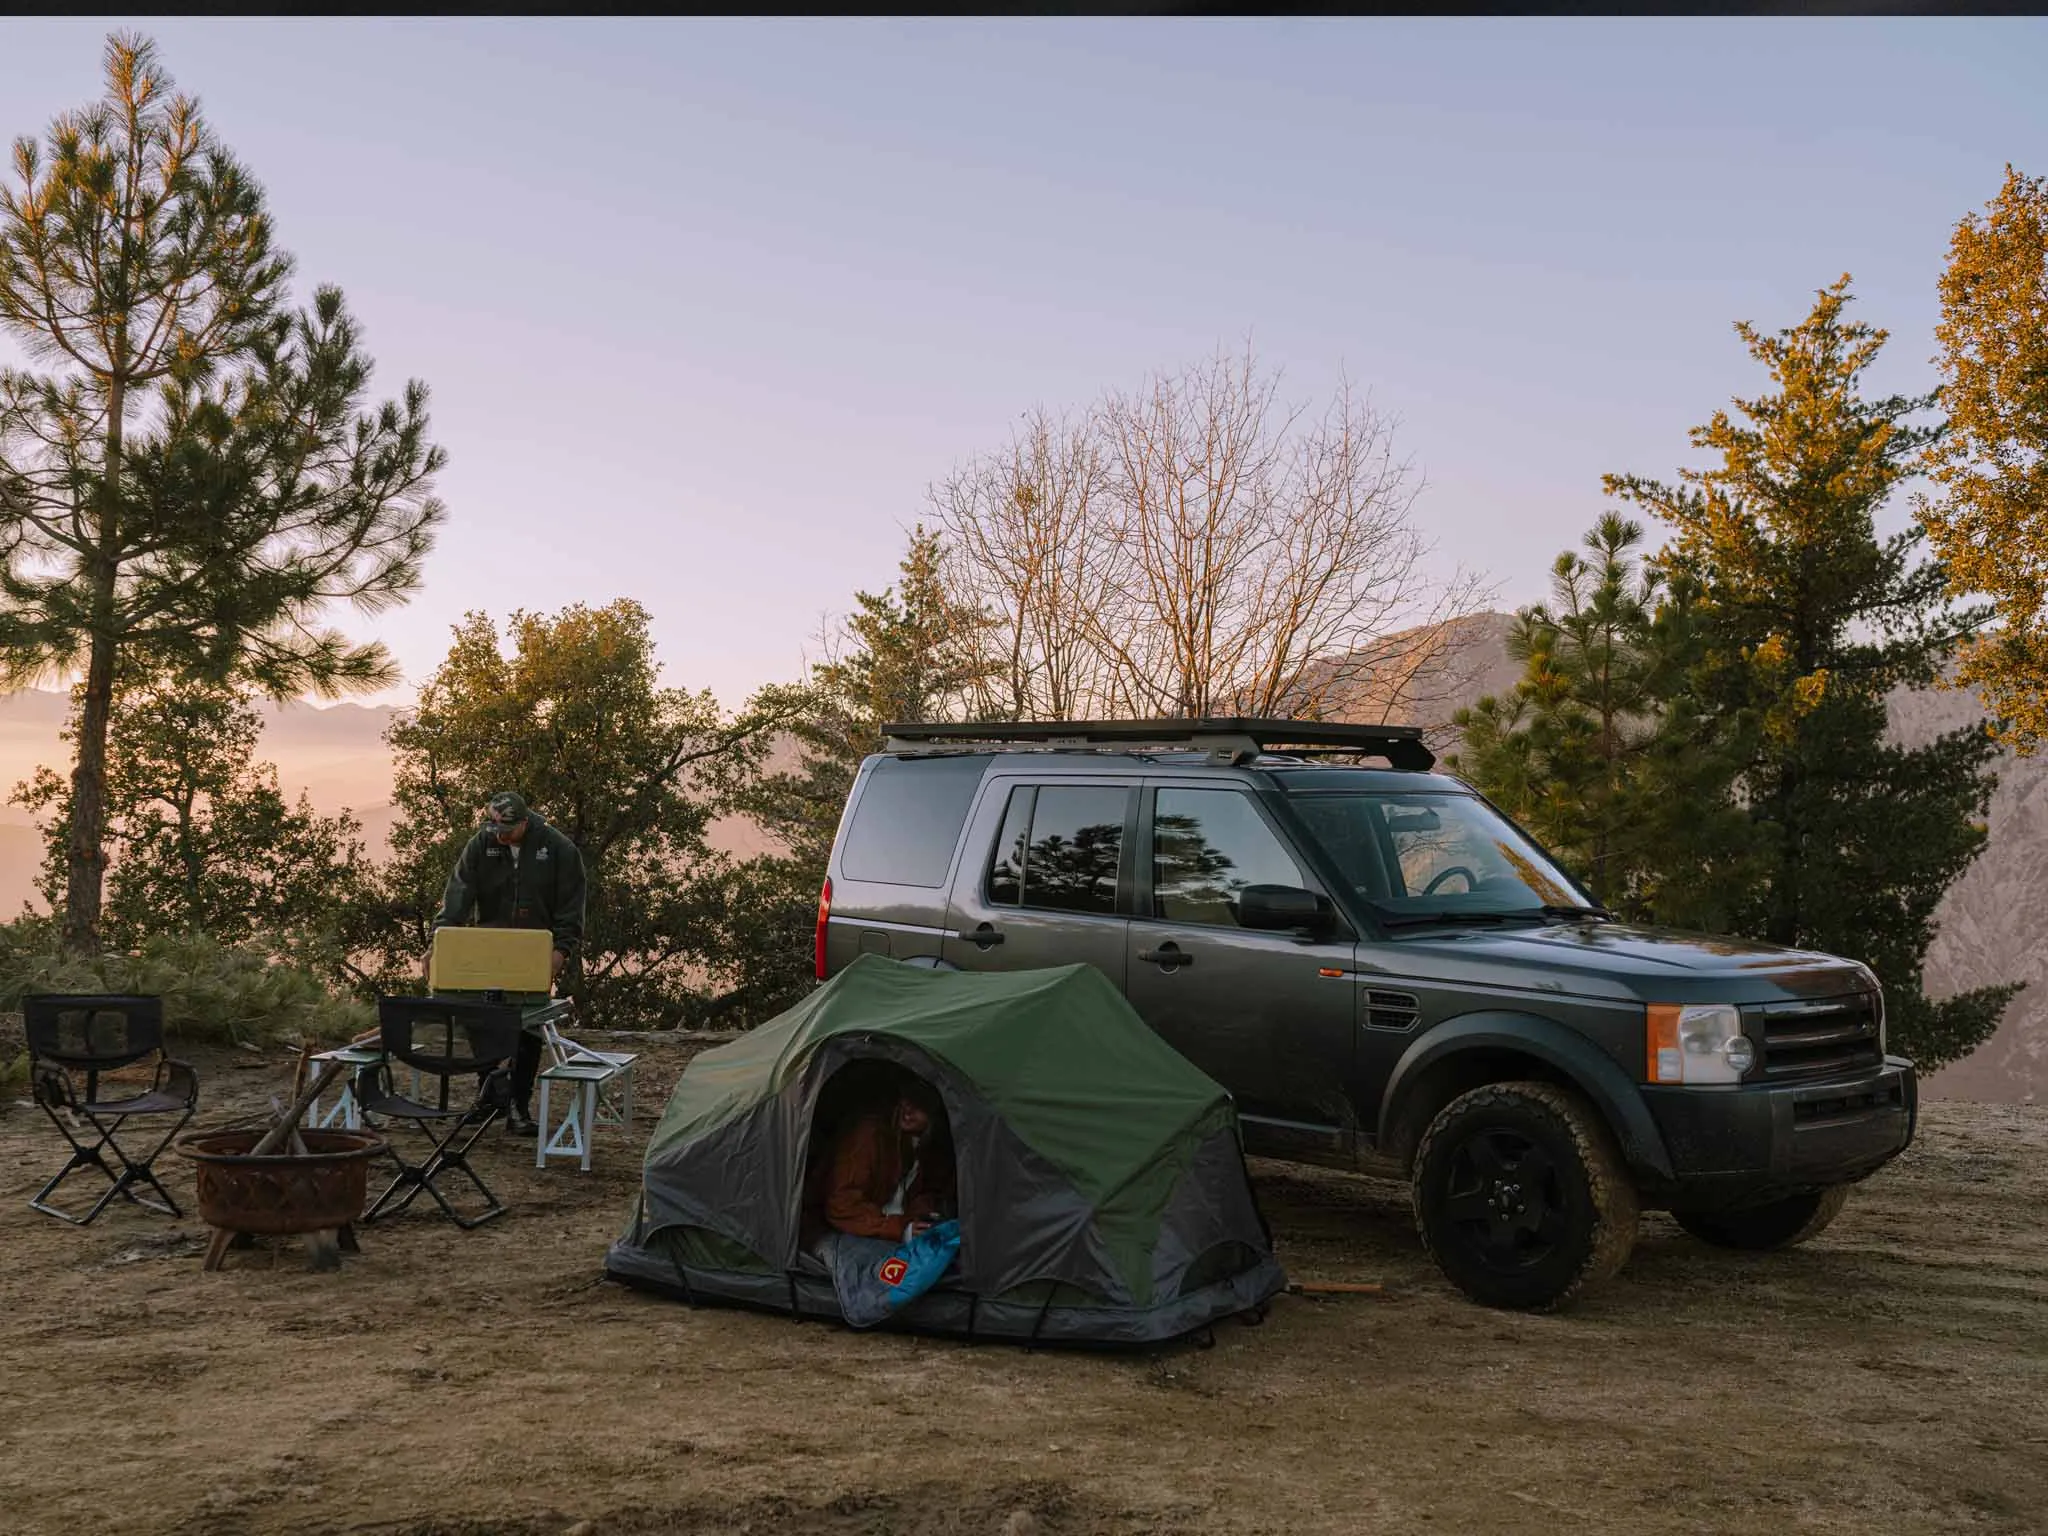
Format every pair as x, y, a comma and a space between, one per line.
519, 872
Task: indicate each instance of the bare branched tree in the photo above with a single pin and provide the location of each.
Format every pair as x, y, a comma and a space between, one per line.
1267, 557
1025, 534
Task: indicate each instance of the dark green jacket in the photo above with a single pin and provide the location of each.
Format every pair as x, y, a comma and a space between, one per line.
543, 889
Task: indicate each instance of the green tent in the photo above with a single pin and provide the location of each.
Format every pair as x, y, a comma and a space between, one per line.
1103, 1192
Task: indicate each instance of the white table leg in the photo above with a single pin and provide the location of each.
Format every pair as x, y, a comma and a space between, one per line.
540, 1139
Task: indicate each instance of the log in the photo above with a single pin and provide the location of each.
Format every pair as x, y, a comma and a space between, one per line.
281, 1132
323, 1249
1335, 1288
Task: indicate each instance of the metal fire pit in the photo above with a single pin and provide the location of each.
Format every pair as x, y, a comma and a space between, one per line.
323, 1191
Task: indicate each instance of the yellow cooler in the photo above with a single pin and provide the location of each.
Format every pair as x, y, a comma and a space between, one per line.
490, 960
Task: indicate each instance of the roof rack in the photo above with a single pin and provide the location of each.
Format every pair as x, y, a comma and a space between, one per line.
1233, 739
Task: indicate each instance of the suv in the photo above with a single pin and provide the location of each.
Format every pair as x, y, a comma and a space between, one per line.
1387, 975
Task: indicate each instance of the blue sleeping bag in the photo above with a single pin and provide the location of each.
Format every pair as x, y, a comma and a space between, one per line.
874, 1278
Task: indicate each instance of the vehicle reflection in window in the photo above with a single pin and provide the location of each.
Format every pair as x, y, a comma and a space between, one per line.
1207, 846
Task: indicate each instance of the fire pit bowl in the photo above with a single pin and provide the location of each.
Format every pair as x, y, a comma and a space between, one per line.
279, 1193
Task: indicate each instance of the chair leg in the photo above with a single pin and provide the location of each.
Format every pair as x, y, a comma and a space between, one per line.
144, 1172
407, 1179
449, 1157
120, 1185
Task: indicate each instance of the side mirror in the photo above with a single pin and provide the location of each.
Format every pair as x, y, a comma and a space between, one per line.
1283, 909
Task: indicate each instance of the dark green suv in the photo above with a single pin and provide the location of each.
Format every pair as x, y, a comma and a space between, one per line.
1387, 974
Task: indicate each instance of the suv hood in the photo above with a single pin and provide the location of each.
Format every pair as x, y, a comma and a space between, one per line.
1623, 960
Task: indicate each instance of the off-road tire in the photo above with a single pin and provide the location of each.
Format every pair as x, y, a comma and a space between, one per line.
1767, 1228
1590, 1205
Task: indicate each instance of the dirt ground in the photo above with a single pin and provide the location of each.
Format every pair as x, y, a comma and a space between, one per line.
1893, 1375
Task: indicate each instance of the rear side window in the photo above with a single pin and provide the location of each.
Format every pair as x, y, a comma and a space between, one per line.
1060, 848
908, 819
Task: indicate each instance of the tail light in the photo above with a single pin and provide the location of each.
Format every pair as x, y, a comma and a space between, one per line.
824, 917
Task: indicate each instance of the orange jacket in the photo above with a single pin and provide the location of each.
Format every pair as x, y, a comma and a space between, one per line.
867, 1164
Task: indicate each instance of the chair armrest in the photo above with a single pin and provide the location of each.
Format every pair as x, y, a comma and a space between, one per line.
52, 1087
179, 1077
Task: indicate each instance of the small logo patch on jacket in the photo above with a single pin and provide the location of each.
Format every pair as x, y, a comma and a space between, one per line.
539, 854
892, 1271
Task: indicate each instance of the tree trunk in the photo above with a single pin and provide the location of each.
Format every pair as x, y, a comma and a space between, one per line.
87, 872
87, 854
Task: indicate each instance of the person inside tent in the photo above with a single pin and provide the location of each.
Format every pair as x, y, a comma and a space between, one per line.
890, 1172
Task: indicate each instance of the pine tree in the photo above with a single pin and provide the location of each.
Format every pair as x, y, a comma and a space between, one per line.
1990, 524
1809, 620
915, 652
194, 476
1596, 750
202, 840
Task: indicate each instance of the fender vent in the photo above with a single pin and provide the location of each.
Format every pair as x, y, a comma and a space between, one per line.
1394, 1011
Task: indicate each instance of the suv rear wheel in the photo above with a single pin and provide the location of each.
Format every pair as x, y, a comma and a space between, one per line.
1761, 1228
1522, 1197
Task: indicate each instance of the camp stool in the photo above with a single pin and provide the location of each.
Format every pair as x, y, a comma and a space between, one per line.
345, 1112
580, 1081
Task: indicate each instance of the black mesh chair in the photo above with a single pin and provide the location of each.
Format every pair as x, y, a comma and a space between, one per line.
75, 1040
445, 1039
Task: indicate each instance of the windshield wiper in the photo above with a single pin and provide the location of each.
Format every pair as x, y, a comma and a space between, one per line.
1420, 919
1518, 915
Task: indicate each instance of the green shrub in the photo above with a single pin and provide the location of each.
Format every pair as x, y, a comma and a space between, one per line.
212, 994
13, 1067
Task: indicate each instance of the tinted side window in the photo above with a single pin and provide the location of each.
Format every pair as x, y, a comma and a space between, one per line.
1060, 848
1005, 884
1207, 845
908, 819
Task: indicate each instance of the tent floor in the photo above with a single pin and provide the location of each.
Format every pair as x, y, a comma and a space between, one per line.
955, 1313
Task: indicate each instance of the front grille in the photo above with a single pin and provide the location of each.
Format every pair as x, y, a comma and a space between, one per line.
1848, 1106
1820, 1039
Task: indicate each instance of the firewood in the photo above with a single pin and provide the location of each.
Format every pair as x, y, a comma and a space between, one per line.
277, 1135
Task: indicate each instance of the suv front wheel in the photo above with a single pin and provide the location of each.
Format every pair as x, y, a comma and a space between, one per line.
1522, 1197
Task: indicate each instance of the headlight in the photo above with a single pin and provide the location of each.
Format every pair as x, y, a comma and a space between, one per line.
1876, 1003
1701, 1045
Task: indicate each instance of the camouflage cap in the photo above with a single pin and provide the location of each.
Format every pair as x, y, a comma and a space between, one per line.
507, 807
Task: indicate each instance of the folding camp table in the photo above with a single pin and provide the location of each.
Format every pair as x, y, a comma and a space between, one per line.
537, 1016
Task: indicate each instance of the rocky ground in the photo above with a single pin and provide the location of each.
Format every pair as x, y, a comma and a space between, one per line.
1893, 1375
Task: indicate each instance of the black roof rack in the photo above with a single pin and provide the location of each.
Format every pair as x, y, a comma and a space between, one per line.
1232, 739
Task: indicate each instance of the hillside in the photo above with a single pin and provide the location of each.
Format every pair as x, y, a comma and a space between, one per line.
1990, 924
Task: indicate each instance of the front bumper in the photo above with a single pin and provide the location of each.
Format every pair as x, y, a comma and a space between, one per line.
1749, 1144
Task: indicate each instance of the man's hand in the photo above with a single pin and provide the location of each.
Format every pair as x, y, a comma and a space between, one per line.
555, 969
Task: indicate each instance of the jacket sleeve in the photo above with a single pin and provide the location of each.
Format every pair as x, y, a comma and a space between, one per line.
849, 1206
573, 887
458, 901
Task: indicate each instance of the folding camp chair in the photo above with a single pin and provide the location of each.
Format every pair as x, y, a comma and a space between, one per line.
445, 1039
91, 1035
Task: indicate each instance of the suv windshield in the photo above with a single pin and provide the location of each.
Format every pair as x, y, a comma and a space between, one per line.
1425, 858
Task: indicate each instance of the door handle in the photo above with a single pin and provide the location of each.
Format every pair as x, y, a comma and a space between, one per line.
984, 935
1168, 953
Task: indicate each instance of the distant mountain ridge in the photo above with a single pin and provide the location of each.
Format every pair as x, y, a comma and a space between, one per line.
1991, 923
